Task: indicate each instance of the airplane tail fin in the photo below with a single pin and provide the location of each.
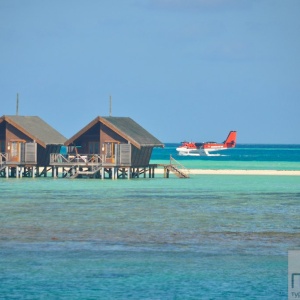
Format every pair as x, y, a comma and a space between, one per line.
230, 142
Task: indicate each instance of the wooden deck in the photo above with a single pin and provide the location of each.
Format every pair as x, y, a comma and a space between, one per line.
96, 166
88, 166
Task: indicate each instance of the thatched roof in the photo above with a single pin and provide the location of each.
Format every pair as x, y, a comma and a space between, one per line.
36, 129
126, 128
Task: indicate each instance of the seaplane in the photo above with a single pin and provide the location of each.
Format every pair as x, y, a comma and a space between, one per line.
205, 149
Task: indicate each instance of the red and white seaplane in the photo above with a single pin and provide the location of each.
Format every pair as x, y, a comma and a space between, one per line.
204, 149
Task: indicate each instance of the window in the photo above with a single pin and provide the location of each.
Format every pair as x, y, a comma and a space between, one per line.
94, 148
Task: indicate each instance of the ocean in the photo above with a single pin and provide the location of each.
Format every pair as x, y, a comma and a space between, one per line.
205, 237
243, 157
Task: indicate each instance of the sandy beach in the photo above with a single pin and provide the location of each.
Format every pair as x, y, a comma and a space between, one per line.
246, 172
239, 172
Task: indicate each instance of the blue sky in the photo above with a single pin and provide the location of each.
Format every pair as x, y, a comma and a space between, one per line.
183, 69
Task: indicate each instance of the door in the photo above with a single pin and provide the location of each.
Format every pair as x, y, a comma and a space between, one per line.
15, 151
109, 148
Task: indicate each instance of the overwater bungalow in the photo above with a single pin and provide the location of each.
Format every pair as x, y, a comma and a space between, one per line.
108, 147
25, 145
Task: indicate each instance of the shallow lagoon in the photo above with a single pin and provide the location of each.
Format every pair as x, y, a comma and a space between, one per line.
206, 237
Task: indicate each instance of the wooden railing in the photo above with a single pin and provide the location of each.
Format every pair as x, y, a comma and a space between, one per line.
56, 158
179, 169
4, 157
178, 165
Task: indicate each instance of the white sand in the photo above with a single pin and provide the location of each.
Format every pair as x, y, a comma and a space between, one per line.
237, 172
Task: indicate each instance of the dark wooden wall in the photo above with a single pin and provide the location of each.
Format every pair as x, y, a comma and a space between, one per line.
140, 157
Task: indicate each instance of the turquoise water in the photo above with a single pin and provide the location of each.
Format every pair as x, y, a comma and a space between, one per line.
207, 237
